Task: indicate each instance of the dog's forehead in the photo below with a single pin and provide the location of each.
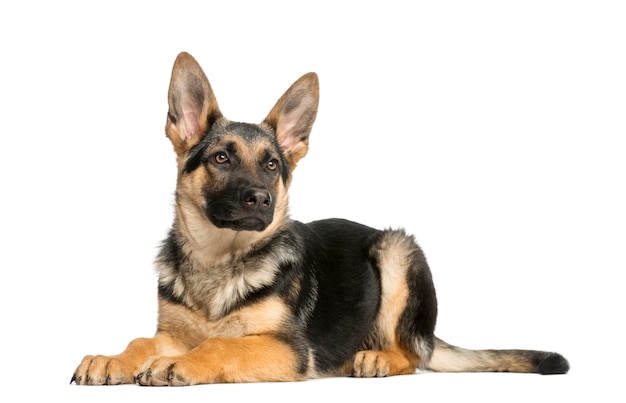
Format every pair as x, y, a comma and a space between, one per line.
246, 135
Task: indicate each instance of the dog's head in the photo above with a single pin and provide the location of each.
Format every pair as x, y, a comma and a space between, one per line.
235, 175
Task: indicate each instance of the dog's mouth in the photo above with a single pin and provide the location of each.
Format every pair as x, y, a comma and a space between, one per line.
251, 223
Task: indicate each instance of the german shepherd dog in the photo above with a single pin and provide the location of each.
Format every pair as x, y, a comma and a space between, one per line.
246, 294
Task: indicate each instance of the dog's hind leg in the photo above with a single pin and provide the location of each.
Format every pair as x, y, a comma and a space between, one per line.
403, 336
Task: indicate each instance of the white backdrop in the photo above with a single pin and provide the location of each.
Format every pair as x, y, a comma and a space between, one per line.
494, 131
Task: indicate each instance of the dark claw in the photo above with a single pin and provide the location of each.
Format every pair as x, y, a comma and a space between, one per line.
138, 377
108, 380
170, 372
74, 379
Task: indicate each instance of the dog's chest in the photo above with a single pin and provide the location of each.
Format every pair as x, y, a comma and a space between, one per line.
216, 289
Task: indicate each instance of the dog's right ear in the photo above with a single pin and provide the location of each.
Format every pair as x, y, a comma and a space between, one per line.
192, 104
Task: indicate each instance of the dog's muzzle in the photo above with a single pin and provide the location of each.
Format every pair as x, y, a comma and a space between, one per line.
251, 210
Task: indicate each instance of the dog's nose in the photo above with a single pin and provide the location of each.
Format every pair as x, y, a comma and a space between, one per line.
257, 198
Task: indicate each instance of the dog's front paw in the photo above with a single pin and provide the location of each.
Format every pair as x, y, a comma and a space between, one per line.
102, 370
167, 371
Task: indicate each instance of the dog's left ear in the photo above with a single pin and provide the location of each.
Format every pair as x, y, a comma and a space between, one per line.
293, 115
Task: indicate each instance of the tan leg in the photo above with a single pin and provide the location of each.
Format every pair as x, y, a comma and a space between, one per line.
246, 359
121, 368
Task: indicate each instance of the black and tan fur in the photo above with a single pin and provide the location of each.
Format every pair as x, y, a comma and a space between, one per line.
246, 294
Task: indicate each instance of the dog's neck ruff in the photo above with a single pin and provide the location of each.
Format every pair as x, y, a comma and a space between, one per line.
215, 284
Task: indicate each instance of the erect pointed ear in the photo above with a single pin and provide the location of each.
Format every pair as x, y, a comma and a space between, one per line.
192, 104
293, 115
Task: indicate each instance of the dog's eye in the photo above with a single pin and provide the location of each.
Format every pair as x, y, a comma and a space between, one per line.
272, 165
220, 158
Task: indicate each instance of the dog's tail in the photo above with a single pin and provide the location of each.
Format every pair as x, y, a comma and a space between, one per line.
449, 358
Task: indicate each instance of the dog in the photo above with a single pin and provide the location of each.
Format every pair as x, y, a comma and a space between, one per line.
246, 294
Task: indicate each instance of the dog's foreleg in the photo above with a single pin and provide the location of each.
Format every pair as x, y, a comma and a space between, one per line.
255, 358
124, 367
